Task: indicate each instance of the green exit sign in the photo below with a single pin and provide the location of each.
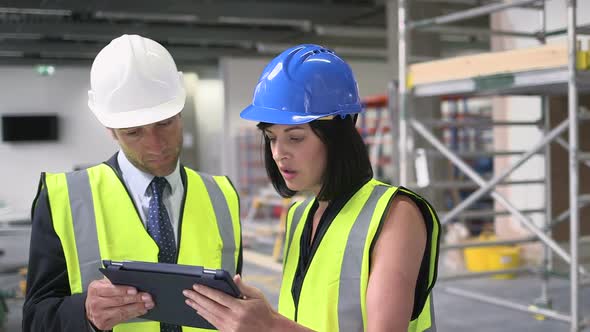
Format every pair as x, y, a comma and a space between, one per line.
45, 70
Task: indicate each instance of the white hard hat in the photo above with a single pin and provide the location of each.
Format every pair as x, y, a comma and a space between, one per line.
134, 82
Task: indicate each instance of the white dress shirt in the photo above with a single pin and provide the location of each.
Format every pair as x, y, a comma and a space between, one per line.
138, 183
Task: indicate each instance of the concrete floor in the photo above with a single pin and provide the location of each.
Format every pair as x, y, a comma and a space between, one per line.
9, 283
453, 313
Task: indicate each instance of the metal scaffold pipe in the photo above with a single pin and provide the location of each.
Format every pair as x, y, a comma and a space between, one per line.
573, 165
478, 32
485, 186
444, 247
527, 222
402, 97
471, 275
507, 304
470, 13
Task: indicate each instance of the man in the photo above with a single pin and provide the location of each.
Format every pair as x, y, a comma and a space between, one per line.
139, 205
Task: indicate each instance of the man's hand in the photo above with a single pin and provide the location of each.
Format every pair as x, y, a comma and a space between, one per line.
108, 305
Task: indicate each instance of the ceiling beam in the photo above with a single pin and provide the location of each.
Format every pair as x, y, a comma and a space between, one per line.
72, 50
205, 10
188, 34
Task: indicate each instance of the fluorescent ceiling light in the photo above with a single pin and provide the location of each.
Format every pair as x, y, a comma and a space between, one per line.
361, 52
36, 11
11, 54
377, 53
350, 31
457, 2
20, 35
273, 49
188, 18
304, 25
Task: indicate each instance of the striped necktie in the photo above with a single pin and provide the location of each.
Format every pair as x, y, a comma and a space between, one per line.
160, 229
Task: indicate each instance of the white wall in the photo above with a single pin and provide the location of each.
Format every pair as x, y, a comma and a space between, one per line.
209, 106
82, 140
526, 108
240, 76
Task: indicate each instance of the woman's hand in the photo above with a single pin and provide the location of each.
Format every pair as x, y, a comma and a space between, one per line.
250, 313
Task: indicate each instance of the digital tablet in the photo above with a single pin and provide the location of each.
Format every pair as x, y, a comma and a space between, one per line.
165, 283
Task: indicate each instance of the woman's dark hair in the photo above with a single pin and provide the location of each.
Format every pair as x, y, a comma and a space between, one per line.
347, 166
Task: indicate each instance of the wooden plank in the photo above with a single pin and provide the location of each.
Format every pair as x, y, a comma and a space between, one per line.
534, 58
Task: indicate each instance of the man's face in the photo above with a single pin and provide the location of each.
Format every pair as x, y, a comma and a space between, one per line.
153, 148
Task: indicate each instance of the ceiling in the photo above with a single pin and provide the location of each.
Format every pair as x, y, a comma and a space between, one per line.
197, 31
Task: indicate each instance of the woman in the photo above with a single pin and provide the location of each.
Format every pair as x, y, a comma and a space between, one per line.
360, 254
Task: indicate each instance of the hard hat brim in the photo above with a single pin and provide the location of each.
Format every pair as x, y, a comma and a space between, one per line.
276, 116
140, 117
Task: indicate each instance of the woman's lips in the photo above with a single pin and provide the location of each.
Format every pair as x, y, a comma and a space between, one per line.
288, 174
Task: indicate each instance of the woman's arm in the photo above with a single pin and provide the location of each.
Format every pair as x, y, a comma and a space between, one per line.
395, 264
226, 313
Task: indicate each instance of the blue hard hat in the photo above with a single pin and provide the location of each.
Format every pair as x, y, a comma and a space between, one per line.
302, 84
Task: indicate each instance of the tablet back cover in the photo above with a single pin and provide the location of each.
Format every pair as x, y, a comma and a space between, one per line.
166, 290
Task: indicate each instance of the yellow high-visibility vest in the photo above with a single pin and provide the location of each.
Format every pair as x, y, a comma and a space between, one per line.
95, 219
334, 289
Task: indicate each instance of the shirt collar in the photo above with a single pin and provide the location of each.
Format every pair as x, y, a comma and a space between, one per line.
139, 180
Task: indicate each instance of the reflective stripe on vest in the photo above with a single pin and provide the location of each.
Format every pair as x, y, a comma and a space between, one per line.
84, 222
333, 295
350, 274
95, 219
299, 209
224, 220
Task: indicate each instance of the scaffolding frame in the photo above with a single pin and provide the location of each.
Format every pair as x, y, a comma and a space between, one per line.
408, 126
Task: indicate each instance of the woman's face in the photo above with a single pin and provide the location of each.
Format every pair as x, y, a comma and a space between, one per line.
300, 156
